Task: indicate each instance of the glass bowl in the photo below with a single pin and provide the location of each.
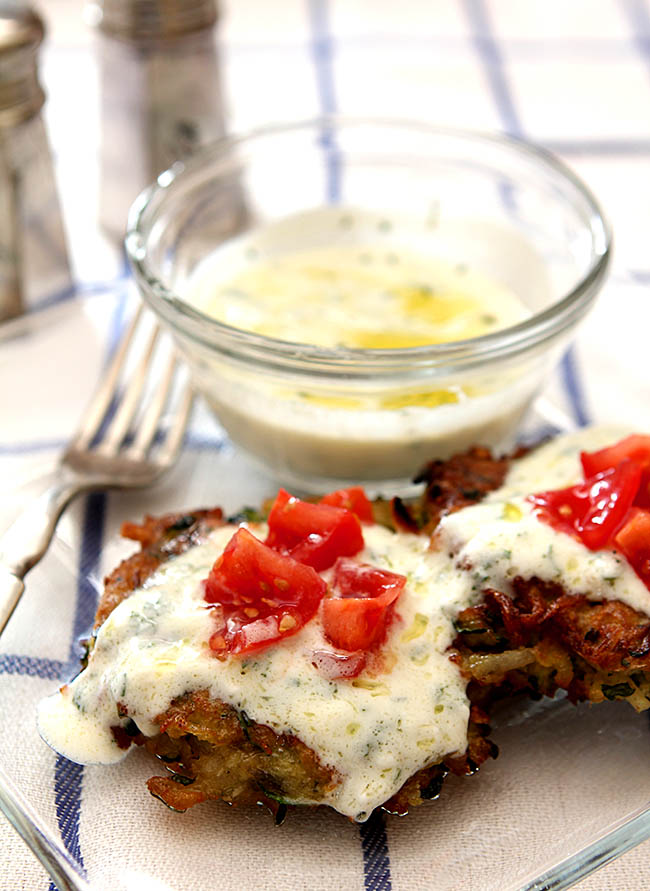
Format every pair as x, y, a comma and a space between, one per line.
324, 417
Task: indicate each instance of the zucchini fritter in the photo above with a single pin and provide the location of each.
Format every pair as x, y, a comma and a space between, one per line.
536, 642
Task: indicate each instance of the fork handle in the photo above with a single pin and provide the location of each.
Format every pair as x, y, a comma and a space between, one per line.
11, 590
27, 539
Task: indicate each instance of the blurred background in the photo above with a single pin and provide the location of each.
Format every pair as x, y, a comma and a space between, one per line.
574, 77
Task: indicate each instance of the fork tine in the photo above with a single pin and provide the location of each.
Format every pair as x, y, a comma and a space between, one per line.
149, 423
102, 397
84, 467
119, 425
172, 445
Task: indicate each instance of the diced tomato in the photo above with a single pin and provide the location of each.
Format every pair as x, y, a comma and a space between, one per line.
354, 499
363, 580
314, 534
263, 596
592, 511
643, 495
636, 448
357, 619
633, 540
334, 666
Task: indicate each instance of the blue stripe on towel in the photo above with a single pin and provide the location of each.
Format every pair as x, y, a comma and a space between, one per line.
321, 46
68, 777
374, 844
573, 387
489, 53
29, 666
91, 544
39, 445
638, 16
376, 863
67, 795
602, 147
197, 442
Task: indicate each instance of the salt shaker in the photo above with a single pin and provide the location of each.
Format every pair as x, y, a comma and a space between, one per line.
33, 255
161, 95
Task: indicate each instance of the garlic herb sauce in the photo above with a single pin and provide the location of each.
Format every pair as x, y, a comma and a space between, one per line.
362, 296
342, 277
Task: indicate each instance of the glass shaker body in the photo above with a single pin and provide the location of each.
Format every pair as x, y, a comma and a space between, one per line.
161, 99
33, 253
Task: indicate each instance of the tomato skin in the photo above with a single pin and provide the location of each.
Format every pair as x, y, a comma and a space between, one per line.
636, 448
358, 618
612, 507
353, 499
633, 541
262, 596
313, 534
592, 511
643, 495
354, 579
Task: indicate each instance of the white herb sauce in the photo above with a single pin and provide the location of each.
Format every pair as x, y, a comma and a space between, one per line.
335, 276
364, 296
374, 730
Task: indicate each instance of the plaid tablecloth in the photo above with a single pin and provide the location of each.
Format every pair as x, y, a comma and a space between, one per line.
573, 76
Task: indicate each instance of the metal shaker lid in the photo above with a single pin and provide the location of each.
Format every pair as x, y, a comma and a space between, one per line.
21, 33
20, 26
151, 20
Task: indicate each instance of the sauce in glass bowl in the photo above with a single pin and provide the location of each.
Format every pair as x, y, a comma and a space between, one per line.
346, 278
479, 252
358, 296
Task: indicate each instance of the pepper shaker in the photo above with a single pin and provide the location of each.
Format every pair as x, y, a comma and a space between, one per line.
161, 93
33, 254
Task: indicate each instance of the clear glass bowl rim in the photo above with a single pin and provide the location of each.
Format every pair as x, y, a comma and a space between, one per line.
533, 332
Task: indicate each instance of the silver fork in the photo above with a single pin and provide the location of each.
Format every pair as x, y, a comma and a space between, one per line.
102, 455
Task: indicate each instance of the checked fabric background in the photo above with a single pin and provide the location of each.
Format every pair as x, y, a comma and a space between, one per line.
573, 75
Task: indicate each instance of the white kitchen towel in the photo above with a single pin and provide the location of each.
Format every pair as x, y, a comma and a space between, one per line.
574, 77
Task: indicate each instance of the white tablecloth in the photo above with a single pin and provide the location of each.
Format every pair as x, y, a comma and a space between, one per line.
574, 77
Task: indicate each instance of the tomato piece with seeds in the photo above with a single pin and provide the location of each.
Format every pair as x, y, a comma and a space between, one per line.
262, 596
594, 510
313, 534
353, 499
635, 448
357, 619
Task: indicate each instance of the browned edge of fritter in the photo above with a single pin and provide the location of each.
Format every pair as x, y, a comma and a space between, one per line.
537, 642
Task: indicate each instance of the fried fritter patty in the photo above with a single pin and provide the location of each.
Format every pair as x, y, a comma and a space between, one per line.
536, 642
542, 640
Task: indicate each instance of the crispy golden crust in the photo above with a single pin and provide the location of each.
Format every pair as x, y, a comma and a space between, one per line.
537, 641
215, 752
459, 482
160, 538
542, 639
